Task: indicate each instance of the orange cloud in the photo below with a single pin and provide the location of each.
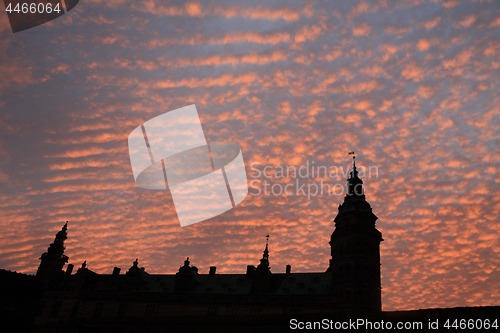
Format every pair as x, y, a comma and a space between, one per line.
362, 29
466, 22
399, 30
495, 22
432, 23
423, 44
413, 72
450, 4
257, 13
308, 34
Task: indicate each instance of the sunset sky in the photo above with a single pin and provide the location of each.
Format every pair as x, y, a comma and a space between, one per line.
413, 87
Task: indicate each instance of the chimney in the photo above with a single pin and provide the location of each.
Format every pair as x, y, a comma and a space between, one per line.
116, 271
212, 270
67, 275
288, 269
250, 269
69, 270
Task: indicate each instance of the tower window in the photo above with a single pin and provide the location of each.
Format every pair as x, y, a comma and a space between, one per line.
98, 310
75, 309
55, 308
40, 307
122, 310
151, 310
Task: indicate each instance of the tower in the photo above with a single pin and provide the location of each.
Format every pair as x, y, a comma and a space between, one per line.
52, 262
355, 246
262, 282
263, 267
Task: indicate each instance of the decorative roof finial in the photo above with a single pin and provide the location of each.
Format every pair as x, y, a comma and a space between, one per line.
353, 158
353, 172
266, 251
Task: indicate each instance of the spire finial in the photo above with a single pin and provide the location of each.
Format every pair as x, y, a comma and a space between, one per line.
353, 173
266, 251
353, 158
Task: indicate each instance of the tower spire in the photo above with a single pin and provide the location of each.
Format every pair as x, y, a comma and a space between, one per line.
354, 172
355, 249
264, 267
52, 261
266, 250
354, 183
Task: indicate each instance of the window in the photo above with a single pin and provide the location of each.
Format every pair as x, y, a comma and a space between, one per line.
55, 308
255, 311
98, 310
75, 309
122, 310
151, 310
40, 307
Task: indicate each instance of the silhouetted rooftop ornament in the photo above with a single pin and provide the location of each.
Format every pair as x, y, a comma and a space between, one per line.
354, 184
266, 250
84, 264
62, 235
186, 270
264, 262
134, 270
355, 196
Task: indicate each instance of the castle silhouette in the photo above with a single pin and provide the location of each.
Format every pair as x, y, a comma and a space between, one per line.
62, 301
57, 300
351, 282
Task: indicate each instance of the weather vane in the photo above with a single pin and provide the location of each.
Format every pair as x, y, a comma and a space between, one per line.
353, 155
353, 158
